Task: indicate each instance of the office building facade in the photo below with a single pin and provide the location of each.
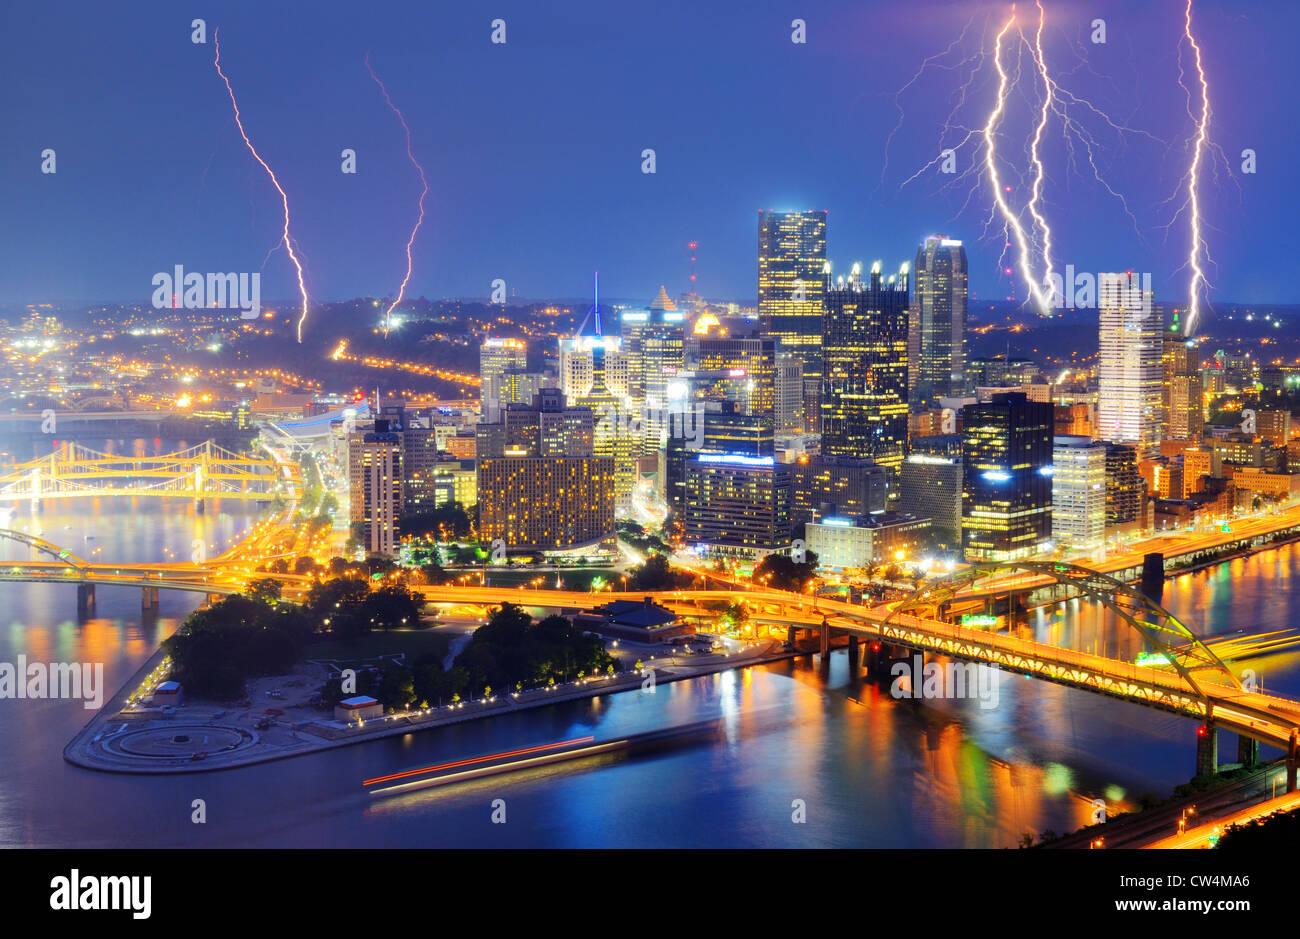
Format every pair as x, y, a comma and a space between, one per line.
864, 368
1006, 478
936, 341
1078, 492
1129, 365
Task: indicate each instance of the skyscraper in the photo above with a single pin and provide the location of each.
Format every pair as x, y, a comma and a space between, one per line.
1078, 492
653, 347
864, 373
736, 369
1125, 490
538, 485
737, 505
788, 414
1181, 391
496, 358
375, 483
791, 260
1006, 477
936, 337
1131, 345
930, 486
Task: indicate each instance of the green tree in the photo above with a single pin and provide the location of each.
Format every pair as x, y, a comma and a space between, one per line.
266, 590
784, 573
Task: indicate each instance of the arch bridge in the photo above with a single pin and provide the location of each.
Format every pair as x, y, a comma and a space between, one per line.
200, 472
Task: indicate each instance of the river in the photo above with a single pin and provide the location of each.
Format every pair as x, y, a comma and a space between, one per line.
860, 768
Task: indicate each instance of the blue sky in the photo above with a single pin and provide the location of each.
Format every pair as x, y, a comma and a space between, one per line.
533, 148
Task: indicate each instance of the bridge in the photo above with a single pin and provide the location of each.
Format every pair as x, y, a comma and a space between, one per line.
204, 471
227, 573
1185, 677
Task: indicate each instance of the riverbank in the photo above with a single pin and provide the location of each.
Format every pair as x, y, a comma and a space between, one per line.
147, 741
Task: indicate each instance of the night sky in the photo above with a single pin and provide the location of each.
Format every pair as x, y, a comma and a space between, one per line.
533, 148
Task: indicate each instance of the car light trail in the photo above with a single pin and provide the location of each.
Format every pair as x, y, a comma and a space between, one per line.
287, 241
526, 751
410, 154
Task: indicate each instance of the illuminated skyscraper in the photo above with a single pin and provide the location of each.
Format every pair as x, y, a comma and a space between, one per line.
736, 369
791, 261
1006, 477
737, 505
787, 385
653, 348
864, 374
375, 477
497, 358
538, 484
1131, 345
936, 338
1182, 392
1125, 489
1078, 492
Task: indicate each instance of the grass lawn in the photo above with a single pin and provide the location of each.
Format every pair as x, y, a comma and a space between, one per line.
414, 643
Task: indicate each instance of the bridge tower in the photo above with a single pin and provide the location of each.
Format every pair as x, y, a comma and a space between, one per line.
1292, 762
85, 601
200, 473
1207, 744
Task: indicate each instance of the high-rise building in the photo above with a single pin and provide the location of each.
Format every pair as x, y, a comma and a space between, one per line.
735, 368
864, 374
1078, 492
936, 339
582, 356
1125, 490
653, 345
930, 486
496, 357
727, 429
538, 484
1182, 411
840, 485
1006, 478
375, 486
1128, 372
788, 393
737, 505
791, 260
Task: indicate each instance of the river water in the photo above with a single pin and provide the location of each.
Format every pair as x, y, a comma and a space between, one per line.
861, 768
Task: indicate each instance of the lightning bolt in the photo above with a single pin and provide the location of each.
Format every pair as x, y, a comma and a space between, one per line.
1032, 243
1010, 218
287, 241
410, 154
1039, 219
1197, 250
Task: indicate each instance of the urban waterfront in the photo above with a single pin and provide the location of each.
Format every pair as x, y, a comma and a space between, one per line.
873, 771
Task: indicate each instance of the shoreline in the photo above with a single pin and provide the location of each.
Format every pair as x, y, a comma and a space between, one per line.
88, 749
252, 747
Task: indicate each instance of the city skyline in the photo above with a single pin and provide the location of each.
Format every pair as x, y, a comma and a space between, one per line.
721, 426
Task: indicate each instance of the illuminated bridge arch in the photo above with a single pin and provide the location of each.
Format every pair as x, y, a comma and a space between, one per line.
1167, 635
45, 547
